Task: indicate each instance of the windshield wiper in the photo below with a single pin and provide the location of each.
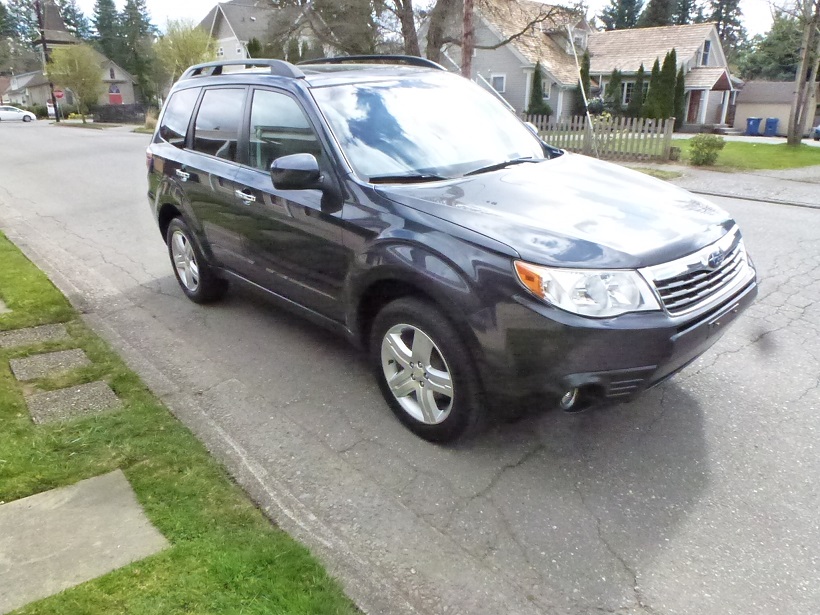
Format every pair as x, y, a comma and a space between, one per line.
502, 165
405, 179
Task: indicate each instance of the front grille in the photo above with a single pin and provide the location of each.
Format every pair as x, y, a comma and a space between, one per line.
692, 282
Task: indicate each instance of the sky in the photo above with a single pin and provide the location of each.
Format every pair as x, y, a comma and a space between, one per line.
757, 14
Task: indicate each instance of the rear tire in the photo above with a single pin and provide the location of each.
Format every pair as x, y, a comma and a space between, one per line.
195, 276
425, 371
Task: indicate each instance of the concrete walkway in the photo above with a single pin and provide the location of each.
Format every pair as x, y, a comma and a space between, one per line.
799, 187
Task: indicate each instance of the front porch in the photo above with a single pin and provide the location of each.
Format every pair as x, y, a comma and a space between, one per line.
709, 97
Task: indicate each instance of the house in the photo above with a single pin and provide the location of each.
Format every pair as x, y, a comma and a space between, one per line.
710, 89
555, 36
234, 24
33, 88
5, 84
769, 99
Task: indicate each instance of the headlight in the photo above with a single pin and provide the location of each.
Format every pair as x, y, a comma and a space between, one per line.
588, 292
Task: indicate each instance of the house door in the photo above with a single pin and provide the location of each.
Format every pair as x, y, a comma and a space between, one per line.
114, 95
694, 106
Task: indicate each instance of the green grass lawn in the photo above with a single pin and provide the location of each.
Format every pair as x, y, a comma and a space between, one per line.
742, 156
225, 555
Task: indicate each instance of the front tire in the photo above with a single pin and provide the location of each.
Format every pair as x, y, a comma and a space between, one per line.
195, 277
26, 118
425, 371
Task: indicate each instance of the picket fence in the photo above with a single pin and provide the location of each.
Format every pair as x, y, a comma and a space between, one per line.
610, 138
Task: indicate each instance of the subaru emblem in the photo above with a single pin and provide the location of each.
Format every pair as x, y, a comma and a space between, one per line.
715, 259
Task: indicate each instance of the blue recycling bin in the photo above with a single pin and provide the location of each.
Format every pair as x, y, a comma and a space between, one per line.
753, 126
771, 127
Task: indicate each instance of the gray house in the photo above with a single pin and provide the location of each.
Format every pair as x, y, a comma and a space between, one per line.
770, 99
555, 36
234, 24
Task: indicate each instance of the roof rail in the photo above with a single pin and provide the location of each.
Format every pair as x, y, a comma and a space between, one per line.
279, 68
386, 59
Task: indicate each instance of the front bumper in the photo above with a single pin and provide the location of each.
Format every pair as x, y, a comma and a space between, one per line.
535, 349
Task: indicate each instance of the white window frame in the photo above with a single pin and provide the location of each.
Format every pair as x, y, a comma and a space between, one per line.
546, 87
503, 77
707, 51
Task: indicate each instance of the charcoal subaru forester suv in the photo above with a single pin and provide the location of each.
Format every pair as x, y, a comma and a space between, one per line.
408, 209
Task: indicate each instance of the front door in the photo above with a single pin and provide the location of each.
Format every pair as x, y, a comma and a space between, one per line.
294, 238
694, 106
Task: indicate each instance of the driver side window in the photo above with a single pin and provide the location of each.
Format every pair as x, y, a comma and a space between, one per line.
279, 128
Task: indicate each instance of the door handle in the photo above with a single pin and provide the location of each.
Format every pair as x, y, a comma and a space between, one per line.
183, 175
248, 198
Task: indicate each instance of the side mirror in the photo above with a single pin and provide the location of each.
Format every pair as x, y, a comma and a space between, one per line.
296, 172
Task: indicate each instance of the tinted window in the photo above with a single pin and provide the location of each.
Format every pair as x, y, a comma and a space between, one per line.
279, 127
177, 115
217, 123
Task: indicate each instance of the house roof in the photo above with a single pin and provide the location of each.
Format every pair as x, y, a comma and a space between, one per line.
54, 30
766, 92
708, 78
626, 50
5, 84
247, 18
535, 44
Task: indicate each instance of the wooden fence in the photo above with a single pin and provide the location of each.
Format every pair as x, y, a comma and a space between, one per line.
611, 138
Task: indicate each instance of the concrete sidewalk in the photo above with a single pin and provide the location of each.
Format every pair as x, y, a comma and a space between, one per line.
800, 187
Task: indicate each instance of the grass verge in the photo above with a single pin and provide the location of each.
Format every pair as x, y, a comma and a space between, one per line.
225, 556
743, 156
659, 173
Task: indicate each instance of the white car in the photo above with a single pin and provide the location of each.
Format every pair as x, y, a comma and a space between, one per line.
8, 113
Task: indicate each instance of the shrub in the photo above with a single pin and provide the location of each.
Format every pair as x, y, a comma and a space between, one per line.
704, 149
150, 119
596, 106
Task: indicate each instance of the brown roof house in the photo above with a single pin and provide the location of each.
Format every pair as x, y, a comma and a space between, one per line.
33, 88
769, 99
556, 40
234, 24
710, 88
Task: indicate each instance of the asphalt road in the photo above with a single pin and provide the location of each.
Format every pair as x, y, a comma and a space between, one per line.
700, 498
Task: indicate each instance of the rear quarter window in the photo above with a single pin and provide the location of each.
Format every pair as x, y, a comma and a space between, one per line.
177, 116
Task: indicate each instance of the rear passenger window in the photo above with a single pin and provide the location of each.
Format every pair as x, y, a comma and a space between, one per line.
177, 116
217, 122
279, 127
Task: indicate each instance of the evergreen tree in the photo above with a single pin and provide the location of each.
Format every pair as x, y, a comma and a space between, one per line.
304, 52
669, 72
635, 104
680, 99
657, 13
8, 28
294, 52
578, 106
316, 50
537, 105
775, 55
137, 34
254, 48
652, 104
621, 14
75, 20
107, 26
274, 50
614, 94
728, 20
23, 19
684, 12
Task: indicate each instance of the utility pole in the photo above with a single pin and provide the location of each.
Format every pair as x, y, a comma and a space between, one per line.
467, 41
46, 56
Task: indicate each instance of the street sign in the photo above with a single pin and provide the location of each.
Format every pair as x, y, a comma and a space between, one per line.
59, 93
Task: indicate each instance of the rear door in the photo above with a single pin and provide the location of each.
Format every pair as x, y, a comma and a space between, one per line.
209, 175
294, 241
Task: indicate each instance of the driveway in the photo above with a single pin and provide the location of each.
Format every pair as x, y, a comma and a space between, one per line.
701, 497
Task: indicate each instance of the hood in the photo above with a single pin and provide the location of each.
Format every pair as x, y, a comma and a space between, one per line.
573, 211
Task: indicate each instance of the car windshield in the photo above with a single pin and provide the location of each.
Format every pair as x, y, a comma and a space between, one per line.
426, 128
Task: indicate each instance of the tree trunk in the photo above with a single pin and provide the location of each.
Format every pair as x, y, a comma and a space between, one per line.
436, 29
467, 41
806, 76
404, 11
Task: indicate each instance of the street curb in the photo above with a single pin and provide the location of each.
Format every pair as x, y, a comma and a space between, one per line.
753, 198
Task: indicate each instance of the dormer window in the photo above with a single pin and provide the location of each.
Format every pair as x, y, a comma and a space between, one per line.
704, 58
111, 73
